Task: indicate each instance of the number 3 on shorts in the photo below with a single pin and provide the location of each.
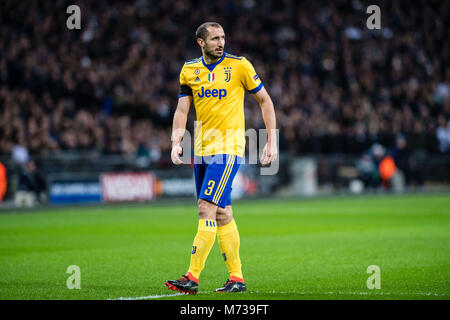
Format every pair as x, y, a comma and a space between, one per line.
211, 184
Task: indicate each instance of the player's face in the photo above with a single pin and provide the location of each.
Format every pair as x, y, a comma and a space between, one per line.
214, 43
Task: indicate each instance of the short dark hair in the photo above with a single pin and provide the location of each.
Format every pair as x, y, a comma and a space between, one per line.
202, 31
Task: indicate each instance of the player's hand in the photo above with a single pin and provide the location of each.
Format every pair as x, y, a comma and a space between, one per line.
269, 154
175, 154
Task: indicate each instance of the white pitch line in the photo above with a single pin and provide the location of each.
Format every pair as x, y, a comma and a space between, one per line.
149, 297
300, 293
356, 293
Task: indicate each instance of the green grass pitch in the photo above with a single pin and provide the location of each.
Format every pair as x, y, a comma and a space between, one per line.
316, 248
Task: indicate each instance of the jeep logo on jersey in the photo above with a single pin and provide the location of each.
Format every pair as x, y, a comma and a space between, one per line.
221, 93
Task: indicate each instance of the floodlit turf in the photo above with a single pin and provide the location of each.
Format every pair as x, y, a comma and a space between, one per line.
290, 249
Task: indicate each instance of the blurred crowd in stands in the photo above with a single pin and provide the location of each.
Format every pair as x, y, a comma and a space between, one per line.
112, 87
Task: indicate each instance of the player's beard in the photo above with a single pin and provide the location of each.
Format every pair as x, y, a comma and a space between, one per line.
213, 54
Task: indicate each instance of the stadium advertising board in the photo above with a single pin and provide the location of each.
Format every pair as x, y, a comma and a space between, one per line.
184, 187
243, 186
175, 187
119, 187
68, 192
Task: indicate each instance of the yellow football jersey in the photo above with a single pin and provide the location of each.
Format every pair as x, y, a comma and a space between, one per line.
218, 91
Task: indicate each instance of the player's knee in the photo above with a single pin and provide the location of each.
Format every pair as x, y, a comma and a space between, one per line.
206, 210
224, 216
221, 220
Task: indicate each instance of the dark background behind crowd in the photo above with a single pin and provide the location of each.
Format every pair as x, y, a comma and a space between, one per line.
111, 87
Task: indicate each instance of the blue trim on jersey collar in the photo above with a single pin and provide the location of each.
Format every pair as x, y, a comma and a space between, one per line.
213, 65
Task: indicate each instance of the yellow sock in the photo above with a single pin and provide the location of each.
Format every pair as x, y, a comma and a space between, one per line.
203, 242
229, 243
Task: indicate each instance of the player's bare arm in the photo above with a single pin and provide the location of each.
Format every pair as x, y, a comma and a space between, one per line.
179, 127
270, 151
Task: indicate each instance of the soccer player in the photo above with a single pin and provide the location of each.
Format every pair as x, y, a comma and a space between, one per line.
216, 82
